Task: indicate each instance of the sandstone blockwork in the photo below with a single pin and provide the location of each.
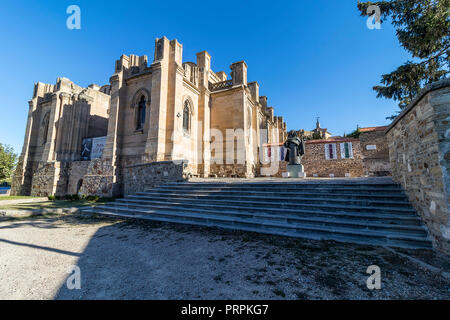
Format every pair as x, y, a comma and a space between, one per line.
150, 112
419, 144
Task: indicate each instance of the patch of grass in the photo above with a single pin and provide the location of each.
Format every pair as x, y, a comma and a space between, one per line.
15, 197
46, 205
38, 205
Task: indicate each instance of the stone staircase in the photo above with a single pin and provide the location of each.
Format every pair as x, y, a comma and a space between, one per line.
359, 212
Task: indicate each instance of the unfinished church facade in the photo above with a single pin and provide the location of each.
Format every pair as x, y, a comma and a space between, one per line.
149, 115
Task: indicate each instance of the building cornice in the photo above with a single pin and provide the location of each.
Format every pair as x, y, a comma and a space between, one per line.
191, 86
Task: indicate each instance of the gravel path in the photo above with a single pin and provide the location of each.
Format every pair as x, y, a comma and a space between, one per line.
141, 260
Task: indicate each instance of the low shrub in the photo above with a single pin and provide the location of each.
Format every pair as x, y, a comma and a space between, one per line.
76, 197
68, 197
92, 198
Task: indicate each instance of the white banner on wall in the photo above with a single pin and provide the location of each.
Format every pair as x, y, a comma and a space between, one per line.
92, 148
98, 144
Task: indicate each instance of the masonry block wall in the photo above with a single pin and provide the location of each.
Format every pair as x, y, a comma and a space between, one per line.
317, 161
419, 148
138, 178
375, 152
149, 112
317, 165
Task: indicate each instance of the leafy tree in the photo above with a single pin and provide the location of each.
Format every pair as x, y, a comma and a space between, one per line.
355, 134
423, 29
317, 136
314, 136
7, 161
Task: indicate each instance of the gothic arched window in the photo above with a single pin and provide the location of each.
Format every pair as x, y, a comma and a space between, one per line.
186, 116
140, 116
45, 125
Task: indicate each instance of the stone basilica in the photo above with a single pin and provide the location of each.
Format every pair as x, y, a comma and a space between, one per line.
109, 140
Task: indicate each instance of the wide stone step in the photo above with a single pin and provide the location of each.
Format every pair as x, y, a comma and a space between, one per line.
382, 216
286, 229
285, 194
266, 198
319, 189
281, 217
358, 211
294, 185
287, 204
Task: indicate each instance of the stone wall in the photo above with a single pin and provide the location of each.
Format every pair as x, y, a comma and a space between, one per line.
375, 152
22, 178
100, 179
43, 183
60, 178
419, 148
232, 170
139, 177
316, 164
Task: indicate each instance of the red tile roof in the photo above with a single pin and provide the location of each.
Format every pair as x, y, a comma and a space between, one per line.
371, 129
331, 140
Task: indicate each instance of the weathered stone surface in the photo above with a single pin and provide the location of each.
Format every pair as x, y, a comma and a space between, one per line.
316, 164
182, 105
139, 177
418, 143
370, 157
375, 152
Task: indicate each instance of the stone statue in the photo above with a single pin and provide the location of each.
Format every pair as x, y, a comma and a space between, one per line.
296, 148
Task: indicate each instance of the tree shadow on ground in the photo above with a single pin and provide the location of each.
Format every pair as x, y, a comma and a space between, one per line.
146, 260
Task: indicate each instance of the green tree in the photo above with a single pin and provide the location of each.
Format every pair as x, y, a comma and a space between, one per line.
356, 133
7, 161
423, 29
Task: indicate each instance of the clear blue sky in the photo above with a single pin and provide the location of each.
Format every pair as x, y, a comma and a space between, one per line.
311, 58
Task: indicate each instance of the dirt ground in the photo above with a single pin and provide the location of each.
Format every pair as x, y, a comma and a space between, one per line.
144, 260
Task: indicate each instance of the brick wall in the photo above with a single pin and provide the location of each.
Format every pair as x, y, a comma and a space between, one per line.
419, 148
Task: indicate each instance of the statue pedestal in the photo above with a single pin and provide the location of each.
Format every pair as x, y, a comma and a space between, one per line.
294, 171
